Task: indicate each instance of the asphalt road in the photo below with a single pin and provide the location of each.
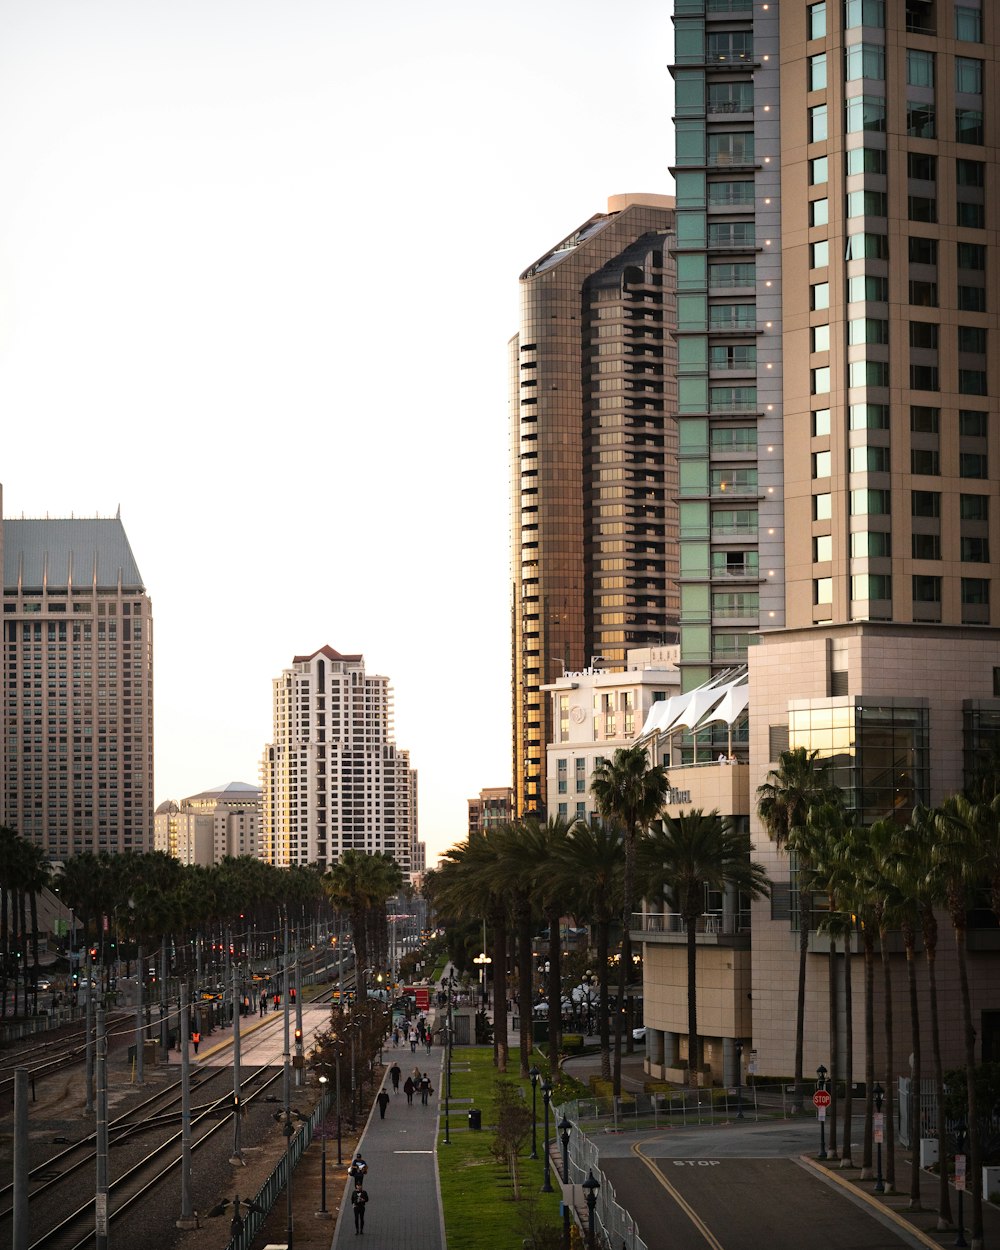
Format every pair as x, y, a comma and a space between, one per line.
706, 1201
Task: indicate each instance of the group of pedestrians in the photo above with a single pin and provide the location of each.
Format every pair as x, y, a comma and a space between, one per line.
416, 1083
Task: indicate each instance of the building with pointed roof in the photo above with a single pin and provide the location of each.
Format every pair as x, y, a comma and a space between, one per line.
77, 768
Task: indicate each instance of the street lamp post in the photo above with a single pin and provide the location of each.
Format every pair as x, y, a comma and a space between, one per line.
590, 1187
323, 1213
739, 1079
482, 961
878, 1093
546, 1097
564, 1126
821, 1085
534, 1074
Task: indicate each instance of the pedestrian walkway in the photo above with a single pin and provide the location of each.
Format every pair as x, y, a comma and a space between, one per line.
404, 1196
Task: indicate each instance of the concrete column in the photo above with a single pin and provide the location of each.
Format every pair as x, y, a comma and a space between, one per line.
671, 1049
728, 1061
654, 1045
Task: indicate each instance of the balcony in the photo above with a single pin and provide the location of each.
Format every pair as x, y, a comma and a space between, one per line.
708, 786
711, 929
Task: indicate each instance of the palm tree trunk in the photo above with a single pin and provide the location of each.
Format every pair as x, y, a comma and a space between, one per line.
694, 1042
524, 969
930, 948
800, 1003
889, 1103
868, 946
555, 993
500, 1038
915, 1071
834, 1048
975, 1170
603, 943
846, 1153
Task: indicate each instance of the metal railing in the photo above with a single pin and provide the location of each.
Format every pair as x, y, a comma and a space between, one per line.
671, 922
614, 1226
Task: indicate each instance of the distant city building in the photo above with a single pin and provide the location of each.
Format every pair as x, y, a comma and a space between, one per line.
77, 768
208, 827
594, 713
333, 777
495, 806
594, 462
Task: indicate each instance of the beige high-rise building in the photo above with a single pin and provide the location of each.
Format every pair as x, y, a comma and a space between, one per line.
838, 328
207, 827
78, 688
593, 462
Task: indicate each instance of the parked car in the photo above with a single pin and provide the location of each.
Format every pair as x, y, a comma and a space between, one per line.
639, 1034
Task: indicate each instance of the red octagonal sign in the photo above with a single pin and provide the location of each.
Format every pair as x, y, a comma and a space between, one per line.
821, 1098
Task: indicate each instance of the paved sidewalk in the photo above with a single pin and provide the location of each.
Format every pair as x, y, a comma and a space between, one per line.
404, 1207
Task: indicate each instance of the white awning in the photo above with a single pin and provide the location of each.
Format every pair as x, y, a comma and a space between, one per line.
731, 707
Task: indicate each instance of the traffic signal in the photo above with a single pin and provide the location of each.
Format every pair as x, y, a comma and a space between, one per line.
298, 1037
93, 954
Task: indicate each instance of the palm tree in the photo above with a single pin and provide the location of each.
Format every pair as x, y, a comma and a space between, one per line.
799, 782
596, 866
361, 884
517, 873
690, 853
630, 792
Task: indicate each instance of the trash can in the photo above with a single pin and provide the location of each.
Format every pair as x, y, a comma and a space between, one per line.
475, 1118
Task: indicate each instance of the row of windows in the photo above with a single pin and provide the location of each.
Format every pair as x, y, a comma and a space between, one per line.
923, 503
867, 545
925, 461
867, 114
925, 588
920, 18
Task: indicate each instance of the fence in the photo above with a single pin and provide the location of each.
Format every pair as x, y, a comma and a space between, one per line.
682, 1107
613, 1225
269, 1192
989, 1123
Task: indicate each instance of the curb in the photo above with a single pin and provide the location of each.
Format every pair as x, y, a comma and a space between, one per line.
869, 1200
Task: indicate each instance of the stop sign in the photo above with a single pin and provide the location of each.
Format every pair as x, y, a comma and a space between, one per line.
821, 1098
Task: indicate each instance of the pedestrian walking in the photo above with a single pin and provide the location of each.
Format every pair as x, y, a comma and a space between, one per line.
408, 1088
359, 1200
358, 1171
395, 1072
383, 1102
429, 1039
413, 1041
395, 1037
425, 1088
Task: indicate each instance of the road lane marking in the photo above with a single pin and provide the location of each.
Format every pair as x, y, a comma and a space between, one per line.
685, 1206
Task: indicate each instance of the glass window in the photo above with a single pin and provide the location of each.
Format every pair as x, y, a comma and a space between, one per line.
972, 339
820, 380
923, 294
972, 424
822, 548
972, 381
819, 212
969, 126
926, 546
818, 128
689, 41
968, 75
870, 543
924, 334
869, 459
820, 295
921, 165
692, 272
925, 462
864, 60
922, 251
867, 287
919, 68
975, 590
971, 216
868, 373
871, 586
925, 503
972, 298
970, 173
968, 24
816, 20
870, 503
866, 161
974, 507
976, 550
739, 191
924, 378
971, 256
819, 170
921, 120
820, 338
868, 330
817, 72
866, 204
867, 245
819, 254
865, 112
926, 589
924, 420
972, 464
864, 13
821, 422
869, 416
823, 590
731, 147
921, 208
821, 507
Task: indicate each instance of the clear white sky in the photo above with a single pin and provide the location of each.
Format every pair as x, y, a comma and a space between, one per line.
258, 269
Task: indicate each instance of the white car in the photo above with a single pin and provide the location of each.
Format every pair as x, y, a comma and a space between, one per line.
639, 1034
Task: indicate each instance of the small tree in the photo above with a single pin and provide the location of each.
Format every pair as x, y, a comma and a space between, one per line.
513, 1126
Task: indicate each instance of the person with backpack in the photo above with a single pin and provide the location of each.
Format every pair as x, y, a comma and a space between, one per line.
395, 1072
425, 1088
358, 1171
408, 1088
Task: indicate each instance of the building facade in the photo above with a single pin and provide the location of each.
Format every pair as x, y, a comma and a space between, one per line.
838, 436
78, 688
333, 778
494, 806
593, 457
211, 826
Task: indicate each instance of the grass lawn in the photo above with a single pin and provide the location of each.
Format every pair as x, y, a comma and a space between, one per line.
480, 1210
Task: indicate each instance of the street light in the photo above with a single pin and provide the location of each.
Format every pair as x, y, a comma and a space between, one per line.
821, 1085
590, 1187
565, 1127
534, 1074
878, 1093
739, 1079
482, 961
546, 1096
